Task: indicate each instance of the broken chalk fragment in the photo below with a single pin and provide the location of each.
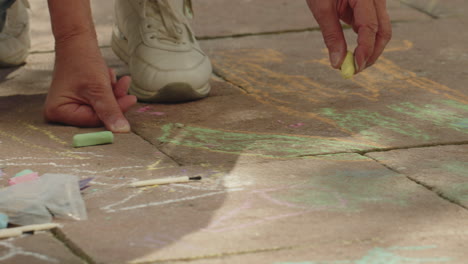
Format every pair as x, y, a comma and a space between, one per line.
23, 178
23, 172
3, 221
92, 139
348, 69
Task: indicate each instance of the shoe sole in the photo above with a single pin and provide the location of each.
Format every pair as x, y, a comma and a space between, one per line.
171, 93
15, 60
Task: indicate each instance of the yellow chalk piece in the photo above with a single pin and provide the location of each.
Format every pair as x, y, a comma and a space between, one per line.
348, 69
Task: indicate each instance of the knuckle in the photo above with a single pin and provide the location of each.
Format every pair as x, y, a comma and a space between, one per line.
386, 34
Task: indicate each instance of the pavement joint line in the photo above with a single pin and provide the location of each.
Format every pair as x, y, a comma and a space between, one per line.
419, 9
214, 256
160, 150
426, 186
286, 31
456, 143
75, 249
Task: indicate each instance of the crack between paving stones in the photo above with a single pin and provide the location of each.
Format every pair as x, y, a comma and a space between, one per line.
75, 249
214, 256
419, 9
428, 187
160, 150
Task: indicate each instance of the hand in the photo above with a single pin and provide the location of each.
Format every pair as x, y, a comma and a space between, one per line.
84, 92
369, 19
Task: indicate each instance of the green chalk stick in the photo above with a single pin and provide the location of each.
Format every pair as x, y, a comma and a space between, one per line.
3, 221
23, 172
92, 139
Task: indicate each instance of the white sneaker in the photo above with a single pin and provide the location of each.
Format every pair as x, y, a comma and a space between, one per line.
14, 38
155, 39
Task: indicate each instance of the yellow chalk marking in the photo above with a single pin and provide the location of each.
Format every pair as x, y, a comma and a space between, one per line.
348, 69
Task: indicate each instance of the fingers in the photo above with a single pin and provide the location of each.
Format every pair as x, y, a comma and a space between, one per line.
107, 109
112, 76
327, 18
126, 102
384, 33
366, 24
120, 92
121, 87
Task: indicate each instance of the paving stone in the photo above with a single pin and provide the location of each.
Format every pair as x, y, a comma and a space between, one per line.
36, 249
398, 102
233, 129
296, 105
30, 143
212, 18
336, 203
443, 169
439, 9
226, 18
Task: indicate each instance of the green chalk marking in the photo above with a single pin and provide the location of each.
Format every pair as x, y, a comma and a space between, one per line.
23, 172
92, 139
264, 145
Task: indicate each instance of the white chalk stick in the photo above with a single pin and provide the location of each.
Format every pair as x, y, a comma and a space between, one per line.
39, 227
164, 181
18, 231
10, 232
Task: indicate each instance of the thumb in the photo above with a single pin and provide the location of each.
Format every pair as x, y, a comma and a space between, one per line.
107, 109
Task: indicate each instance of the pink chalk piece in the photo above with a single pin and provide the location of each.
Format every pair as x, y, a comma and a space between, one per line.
157, 113
24, 178
297, 125
144, 109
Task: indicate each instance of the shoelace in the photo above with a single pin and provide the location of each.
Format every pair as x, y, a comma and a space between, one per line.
169, 22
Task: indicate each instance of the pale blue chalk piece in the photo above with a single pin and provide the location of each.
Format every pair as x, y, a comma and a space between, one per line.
3, 221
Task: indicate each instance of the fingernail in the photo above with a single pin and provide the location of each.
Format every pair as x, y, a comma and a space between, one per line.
335, 59
120, 126
360, 67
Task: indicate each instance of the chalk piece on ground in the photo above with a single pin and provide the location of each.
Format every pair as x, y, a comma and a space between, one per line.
165, 181
3, 221
10, 232
23, 172
92, 139
18, 231
24, 178
348, 69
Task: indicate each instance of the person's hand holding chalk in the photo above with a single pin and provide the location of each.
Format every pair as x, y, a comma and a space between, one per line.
84, 92
368, 18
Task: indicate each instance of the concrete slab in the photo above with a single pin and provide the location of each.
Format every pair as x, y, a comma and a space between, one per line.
399, 102
229, 129
439, 9
212, 18
337, 203
227, 18
443, 168
40, 248
27, 142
